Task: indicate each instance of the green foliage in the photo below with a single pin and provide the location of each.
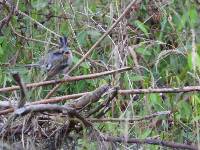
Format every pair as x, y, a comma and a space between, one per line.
39, 4
142, 27
163, 52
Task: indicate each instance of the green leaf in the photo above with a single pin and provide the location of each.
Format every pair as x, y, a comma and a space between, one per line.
163, 26
180, 22
137, 78
2, 39
85, 65
93, 7
195, 100
75, 59
64, 28
1, 51
190, 60
82, 38
142, 27
155, 100
196, 119
143, 51
185, 109
193, 16
94, 34
39, 4
145, 134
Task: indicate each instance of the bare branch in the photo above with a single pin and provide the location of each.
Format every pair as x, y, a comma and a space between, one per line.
70, 79
10, 104
89, 98
160, 90
149, 141
41, 108
110, 97
66, 97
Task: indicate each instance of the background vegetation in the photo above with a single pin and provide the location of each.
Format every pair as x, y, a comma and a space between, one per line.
159, 38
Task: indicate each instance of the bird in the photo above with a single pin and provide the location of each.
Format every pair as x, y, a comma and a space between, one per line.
56, 61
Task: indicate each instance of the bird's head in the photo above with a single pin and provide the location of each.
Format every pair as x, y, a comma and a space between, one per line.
67, 54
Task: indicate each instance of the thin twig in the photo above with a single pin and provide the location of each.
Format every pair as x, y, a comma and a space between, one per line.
121, 92
22, 13
31, 39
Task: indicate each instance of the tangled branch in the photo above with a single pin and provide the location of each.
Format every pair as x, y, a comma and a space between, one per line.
96, 44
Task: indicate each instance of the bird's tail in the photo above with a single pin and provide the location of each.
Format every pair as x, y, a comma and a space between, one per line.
63, 42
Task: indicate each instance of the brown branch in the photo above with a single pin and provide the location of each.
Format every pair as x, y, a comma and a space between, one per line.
43, 101
70, 79
121, 92
84, 100
41, 108
149, 141
160, 90
89, 98
58, 99
8, 104
130, 120
23, 90
110, 97
6, 111
95, 45
66, 97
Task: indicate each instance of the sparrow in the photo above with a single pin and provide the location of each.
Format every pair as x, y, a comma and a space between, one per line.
56, 61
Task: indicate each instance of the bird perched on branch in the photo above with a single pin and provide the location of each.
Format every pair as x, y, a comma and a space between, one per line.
57, 61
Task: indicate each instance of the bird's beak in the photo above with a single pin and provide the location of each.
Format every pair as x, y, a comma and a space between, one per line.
67, 53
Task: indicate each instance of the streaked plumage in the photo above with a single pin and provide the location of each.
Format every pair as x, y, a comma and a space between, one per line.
56, 61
